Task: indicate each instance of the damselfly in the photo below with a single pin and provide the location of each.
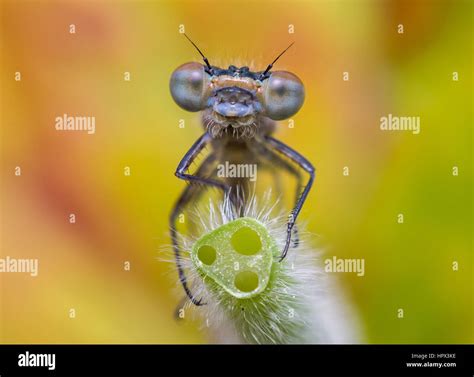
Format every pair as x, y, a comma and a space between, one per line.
239, 109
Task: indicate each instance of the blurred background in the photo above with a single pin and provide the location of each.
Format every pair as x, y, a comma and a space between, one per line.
123, 218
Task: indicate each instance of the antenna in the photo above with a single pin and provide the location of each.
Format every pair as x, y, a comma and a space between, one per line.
203, 57
273, 62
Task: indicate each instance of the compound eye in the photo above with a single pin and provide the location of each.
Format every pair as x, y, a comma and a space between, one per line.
188, 86
283, 95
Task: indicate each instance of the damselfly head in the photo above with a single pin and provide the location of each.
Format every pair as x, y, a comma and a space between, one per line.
236, 96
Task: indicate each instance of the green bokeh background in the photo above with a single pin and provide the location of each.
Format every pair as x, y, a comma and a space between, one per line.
123, 218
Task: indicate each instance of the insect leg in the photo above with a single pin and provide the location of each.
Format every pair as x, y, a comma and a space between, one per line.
186, 196
188, 193
274, 158
309, 168
189, 157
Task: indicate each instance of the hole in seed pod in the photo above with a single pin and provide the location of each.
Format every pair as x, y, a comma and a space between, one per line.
246, 281
207, 254
246, 241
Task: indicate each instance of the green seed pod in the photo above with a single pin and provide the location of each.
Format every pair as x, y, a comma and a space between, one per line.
250, 295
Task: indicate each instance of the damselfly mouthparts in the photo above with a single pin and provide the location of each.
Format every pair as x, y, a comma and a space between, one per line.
239, 109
